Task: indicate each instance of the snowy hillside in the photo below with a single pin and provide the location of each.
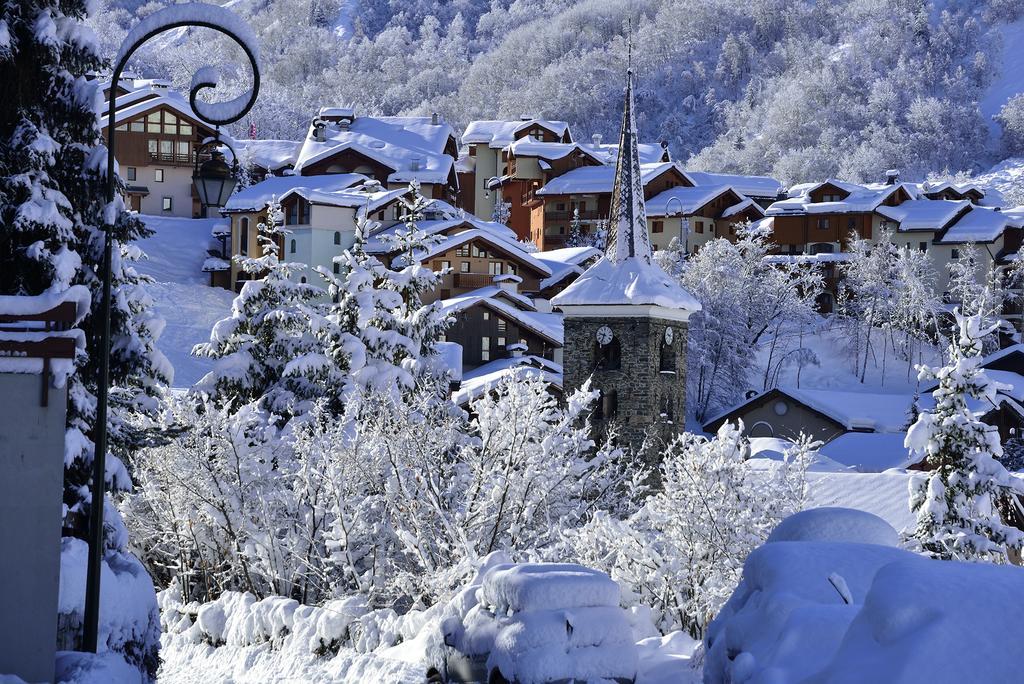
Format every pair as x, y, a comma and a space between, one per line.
1010, 77
181, 291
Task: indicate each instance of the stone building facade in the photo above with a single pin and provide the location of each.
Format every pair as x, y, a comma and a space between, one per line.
644, 394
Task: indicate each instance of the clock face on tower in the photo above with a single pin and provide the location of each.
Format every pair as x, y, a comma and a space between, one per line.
604, 335
668, 335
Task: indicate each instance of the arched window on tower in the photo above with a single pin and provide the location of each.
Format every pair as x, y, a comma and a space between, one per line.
293, 246
608, 356
609, 405
668, 404
668, 357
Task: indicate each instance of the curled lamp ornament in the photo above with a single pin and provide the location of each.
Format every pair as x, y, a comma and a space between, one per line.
200, 15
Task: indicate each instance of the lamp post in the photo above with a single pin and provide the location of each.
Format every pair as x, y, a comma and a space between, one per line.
214, 180
684, 235
199, 15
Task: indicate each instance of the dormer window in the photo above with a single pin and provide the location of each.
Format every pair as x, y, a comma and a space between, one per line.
831, 198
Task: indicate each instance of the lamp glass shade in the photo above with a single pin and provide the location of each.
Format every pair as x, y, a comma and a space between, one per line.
214, 181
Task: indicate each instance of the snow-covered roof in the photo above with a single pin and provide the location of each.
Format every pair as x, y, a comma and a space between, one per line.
869, 452
632, 281
746, 205
548, 326
865, 411
256, 196
980, 224
649, 153
500, 134
550, 151
684, 200
924, 214
452, 241
751, 186
822, 258
213, 264
596, 179
378, 242
412, 147
138, 102
28, 332
860, 198
565, 262
272, 155
483, 378
959, 188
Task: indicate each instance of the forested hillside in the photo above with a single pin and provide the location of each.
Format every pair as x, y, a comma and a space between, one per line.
794, 88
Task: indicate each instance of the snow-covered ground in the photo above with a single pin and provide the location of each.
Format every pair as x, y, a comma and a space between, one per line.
181, 291
1010, 79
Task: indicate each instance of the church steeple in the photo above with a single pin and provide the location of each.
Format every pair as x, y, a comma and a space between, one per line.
627, 220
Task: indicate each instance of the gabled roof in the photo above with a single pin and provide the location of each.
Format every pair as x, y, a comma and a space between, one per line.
140, 102
499, 134
412, 147
746, 205
858, 199
649, 153
686, 200
452, 241
980, 224
597, 179
451, 225
548, 151
860, 411
565, 263
255, 197
750, 186
517, 300
924, 214
272, 155
547, 326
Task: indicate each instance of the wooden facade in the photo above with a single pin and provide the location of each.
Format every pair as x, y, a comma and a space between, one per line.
485, 332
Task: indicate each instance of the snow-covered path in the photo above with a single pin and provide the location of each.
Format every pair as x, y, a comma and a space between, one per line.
175, 254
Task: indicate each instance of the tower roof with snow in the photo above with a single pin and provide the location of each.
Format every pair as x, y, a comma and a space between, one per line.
626, 275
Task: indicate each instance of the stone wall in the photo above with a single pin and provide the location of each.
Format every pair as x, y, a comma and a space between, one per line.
643, 390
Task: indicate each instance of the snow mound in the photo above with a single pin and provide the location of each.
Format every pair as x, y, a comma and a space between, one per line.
919, 614
545, 586
75, 667
835, 525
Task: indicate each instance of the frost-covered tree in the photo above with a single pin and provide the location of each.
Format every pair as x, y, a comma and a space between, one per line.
682, 553
52, 216
502, 209
1011, 119
957, 504
748, 301
986, 290
268, 349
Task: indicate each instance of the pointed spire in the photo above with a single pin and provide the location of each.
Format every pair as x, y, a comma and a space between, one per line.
627, 220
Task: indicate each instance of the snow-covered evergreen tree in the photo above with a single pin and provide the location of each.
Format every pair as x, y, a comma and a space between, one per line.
502, 209
957, 504
52, 215
269, 349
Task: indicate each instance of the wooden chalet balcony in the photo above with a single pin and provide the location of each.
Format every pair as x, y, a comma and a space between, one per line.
473, 280
568, 216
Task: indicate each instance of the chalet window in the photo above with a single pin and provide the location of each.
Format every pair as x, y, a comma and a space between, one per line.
158, 175
446, 265
698, 227
151, 145
131, 173
485, 348
487, 315
923, 246
476, 251
494, 268
560, 206
183, 151
501, 325
137, 126
510, 268
184, 128
243, 239
166, 149
954, 253
655, 247
337, 237
822, 223
501, 343
831, 198
302, 279
293, 246
583, 207
668, 358
166, 204
608, 356
170, 124
462, 251
658, 227
153, 123
464, 266
293, 216
337, 268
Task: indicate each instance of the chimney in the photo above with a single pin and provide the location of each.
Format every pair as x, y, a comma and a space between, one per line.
516, 350
414, 164
892, 176
319, 130
435, 120
508, 282
596, 138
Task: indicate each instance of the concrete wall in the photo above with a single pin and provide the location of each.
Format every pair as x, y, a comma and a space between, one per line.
31, 489
177, 185
488, 164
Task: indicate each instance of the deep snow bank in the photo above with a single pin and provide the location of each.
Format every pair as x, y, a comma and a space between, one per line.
818, 609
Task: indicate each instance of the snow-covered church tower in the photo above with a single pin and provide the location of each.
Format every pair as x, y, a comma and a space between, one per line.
626, 319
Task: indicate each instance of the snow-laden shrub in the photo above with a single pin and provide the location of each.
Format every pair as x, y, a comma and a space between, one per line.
395, 500
683, 551
1011, 120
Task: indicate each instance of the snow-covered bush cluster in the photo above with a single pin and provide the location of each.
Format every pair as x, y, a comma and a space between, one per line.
682, 552
396, 498
800, 90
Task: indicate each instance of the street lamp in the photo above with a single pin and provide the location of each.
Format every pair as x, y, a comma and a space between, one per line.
199, 15
684, 224
214, 179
